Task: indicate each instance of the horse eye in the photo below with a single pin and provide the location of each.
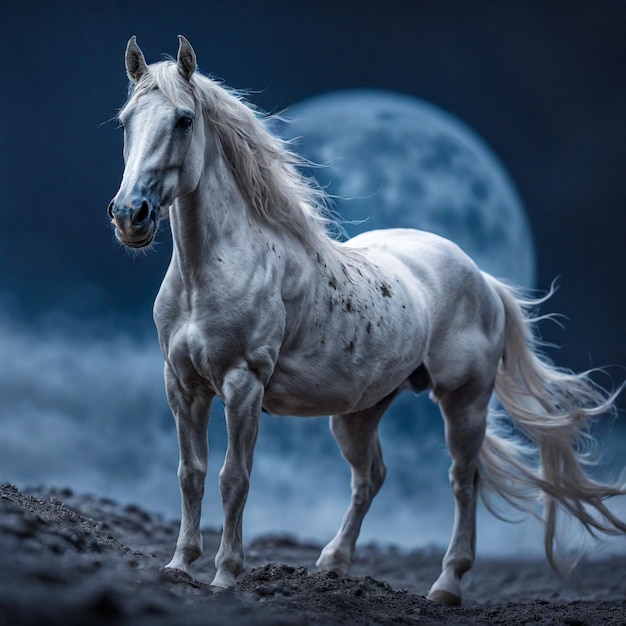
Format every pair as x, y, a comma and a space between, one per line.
185, 123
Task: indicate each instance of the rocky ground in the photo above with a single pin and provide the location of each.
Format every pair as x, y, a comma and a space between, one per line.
71, 559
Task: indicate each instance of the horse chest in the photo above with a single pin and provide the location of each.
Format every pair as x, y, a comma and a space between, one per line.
186, 354
201, 344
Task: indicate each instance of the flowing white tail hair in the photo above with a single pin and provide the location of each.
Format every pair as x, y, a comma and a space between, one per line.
552, 408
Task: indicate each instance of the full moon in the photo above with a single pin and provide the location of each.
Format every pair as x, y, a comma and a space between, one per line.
390, 160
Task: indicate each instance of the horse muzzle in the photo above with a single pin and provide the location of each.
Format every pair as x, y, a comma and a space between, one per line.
135, 222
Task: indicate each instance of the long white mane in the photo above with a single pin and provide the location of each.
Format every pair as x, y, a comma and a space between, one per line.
264, 166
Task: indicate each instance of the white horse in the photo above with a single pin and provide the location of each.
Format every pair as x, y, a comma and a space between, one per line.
262, 308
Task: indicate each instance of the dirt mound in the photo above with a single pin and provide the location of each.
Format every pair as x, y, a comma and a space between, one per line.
73, 559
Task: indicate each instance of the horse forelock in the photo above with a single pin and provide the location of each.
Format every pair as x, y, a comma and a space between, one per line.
164, 77
265, 168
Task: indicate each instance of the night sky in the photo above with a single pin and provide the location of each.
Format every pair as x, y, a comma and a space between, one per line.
543, 83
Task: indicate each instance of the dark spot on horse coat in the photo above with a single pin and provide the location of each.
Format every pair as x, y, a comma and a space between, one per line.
332, 281
349, 306
384, 289
350, 347
369, 327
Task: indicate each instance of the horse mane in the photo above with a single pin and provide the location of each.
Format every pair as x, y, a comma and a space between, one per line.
265, 168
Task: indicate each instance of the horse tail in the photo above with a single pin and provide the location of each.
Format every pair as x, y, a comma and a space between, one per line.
546, 456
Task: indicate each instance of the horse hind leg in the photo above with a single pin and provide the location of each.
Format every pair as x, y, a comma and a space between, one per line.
357, 436
464, 411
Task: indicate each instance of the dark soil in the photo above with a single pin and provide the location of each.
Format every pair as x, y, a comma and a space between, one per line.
70, 559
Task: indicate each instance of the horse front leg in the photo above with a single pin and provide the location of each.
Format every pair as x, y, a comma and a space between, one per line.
191, 413
243, 396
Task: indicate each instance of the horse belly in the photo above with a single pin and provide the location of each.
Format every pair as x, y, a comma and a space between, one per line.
308, 394
341, 379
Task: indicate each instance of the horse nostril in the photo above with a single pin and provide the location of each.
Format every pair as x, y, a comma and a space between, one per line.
110, 210
141, 214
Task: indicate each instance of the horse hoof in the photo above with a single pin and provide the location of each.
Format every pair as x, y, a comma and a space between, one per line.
223, 580
333, 560
444, 597
178, 566
339, 568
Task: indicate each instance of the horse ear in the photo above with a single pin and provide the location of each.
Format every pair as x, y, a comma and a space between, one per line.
186, 58
136, 65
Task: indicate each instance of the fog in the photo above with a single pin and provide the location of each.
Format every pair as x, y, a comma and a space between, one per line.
84, 407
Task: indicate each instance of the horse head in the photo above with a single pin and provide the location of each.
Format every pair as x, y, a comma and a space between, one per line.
163, 143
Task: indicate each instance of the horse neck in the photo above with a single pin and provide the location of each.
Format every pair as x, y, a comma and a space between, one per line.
215, 225
202, 221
